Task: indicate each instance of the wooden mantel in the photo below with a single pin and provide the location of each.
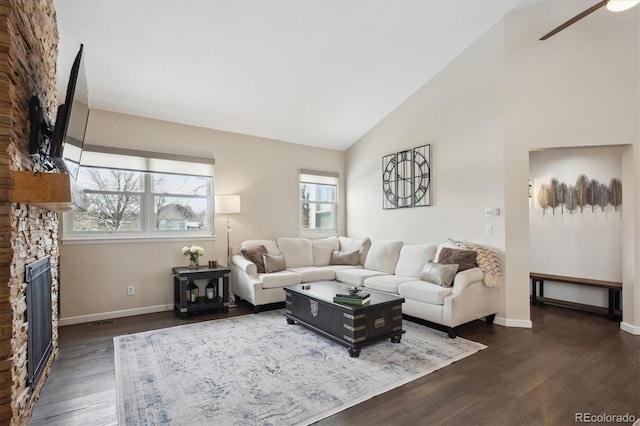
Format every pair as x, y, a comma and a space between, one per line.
51, 191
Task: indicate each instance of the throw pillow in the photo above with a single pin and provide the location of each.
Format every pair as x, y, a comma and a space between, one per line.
351, 244
254, 254
438, 273
487, 260
321, 255
322, 249
344, 257
466, 259
273, 262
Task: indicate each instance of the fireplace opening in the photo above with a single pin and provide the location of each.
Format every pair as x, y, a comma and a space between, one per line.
40, 326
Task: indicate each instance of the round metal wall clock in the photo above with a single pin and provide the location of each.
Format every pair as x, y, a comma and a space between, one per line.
406, 178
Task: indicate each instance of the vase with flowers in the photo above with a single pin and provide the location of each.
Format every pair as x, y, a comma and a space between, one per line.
194, 253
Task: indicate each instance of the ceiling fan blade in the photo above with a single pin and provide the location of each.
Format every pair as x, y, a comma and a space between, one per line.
575, 19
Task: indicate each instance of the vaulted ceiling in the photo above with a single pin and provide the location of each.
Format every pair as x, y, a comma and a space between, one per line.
319, 73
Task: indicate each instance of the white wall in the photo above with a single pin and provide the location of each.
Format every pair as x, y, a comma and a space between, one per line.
460, 113
507, 95
587, 244
263, 172
579, 88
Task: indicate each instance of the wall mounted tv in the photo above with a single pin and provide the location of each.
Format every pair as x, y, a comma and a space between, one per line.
60, 146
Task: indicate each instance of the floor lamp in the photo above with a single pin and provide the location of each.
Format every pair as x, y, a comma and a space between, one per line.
228, 204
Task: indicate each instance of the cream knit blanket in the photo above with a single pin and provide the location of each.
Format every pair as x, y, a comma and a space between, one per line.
487, 260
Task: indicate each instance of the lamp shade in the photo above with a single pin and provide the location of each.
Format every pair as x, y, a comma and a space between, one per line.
227, 204
620, 5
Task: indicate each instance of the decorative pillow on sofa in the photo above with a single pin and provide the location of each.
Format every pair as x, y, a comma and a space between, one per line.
344, 257
350, 244
273, 262
466, 259
439, 273
322, 249
254, 254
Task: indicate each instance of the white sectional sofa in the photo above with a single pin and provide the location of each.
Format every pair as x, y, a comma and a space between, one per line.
383, 265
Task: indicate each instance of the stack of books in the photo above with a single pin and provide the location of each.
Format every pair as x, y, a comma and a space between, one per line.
359, 298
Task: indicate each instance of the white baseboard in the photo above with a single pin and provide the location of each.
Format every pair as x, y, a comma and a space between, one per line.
625, 326
114, 314
513, 322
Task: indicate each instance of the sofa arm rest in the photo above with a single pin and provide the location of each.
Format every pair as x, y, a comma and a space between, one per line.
245, 265
465, 278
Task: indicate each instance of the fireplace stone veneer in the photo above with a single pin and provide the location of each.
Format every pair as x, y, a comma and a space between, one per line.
28, 55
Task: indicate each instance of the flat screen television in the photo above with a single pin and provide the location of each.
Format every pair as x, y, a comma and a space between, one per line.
60, 146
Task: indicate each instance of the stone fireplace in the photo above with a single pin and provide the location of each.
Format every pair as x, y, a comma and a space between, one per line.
28, 55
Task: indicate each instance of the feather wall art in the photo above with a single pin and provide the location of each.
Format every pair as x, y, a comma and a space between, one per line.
585, 192
571, 199
563, 192
581, 187
615, 193
542, 198
554, 199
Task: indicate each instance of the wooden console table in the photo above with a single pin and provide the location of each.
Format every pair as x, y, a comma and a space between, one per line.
614, 288
182, 275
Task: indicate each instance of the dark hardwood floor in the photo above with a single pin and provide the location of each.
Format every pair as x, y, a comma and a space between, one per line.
570, 362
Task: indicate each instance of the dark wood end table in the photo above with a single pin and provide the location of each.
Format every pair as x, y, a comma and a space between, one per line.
183, 275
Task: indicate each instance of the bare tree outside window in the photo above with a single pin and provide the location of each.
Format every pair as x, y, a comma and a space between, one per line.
304, 197
180, 202
139, 204
318, 207
113, 200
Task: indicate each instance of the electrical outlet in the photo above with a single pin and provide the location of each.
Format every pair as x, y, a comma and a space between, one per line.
488, 229
131, 290
487, 212
496, 211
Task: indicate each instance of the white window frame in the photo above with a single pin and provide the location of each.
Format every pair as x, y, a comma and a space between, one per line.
319, 178
148, 164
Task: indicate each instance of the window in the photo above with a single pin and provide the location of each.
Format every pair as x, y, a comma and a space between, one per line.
142, 196
318, 203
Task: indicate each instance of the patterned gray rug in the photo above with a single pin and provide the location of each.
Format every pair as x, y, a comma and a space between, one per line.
258, 370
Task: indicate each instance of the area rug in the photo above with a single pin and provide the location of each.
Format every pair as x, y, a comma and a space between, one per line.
258, 370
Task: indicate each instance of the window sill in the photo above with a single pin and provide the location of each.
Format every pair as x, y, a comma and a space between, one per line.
317, 235
130, 239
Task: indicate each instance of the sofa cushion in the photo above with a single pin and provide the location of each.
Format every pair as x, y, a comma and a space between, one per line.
297, 252
272, 247
321, 250
341, 267
255, 254
465, 259
422, 291
279, 279
315, 273
387, 283
352, 244
412, 259
383, 256
344, 257
273, 262
355, 276
439, 273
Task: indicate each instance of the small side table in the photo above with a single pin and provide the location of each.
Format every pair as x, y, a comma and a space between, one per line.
182, 275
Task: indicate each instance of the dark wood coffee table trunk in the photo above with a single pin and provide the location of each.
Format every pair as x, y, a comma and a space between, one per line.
350, 325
